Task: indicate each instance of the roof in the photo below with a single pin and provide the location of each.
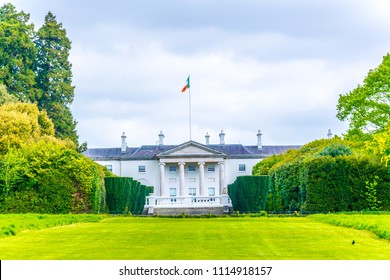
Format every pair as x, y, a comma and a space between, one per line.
151, 152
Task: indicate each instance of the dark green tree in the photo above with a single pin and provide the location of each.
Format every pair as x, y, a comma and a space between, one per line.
54, 77
367, 107
17, 54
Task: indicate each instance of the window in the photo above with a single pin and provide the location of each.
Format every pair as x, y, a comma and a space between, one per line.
211, 191
109, 167
191, 168
241, 167
172, 168
172, 191
141, 168
192, 191
211, 168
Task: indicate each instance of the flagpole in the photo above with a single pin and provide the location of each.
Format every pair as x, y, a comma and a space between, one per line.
189, 104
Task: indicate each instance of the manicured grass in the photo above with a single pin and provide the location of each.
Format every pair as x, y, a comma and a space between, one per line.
140, 238
12, 224
379, 224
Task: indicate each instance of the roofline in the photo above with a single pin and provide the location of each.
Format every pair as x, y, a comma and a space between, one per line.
167, 153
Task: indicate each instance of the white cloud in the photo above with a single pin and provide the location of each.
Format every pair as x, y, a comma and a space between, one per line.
278, 66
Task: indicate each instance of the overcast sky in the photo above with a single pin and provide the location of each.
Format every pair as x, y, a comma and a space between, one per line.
277, 65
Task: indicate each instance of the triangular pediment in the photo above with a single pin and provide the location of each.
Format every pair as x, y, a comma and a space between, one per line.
191, 149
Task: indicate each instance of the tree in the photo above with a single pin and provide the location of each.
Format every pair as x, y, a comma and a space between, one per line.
380, 144
22, 123
5, 97
17, 53
367, 107
54, 77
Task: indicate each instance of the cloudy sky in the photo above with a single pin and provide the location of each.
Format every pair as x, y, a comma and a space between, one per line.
276, 65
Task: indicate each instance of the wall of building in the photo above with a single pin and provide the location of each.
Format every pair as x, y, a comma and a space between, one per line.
148, 173
232, 168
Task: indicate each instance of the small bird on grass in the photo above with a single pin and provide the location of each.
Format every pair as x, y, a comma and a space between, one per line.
353, 242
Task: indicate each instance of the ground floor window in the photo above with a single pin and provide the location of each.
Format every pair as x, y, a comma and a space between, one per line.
192, 191
211, 191
172, 191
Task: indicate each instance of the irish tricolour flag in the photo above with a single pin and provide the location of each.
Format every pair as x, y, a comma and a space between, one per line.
187, 84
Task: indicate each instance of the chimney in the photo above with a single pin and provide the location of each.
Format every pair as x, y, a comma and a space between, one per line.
161, 139
207, 136
124, 144
259, 144
222, 138
329, 134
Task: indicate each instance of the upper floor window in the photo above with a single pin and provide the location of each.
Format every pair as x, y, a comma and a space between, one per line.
241, 167
191, 168
172, 168
211, 168
109, 167
141, 168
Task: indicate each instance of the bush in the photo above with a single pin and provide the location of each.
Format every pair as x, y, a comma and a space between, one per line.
249, 193
125, 195
57, 180
340, 184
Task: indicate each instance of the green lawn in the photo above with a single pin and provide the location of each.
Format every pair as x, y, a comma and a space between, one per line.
140, 238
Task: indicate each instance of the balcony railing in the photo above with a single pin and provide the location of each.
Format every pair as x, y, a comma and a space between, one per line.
187, 201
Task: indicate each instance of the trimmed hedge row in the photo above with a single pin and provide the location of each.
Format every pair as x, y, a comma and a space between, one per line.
125, 195
343, 184
249, 193
330, 184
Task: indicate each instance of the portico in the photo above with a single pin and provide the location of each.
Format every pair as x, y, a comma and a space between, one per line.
192, 169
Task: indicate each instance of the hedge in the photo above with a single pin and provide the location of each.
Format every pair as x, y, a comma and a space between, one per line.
329, 184
125, 195
286, 192
335, 184
53, 178
249, 193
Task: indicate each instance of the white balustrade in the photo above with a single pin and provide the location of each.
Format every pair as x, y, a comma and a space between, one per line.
191, 201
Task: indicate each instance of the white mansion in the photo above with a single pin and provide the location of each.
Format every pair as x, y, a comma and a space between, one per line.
190, 177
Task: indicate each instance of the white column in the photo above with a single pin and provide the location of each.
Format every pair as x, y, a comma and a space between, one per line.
182, 190
222, 184
202, 190
162, 180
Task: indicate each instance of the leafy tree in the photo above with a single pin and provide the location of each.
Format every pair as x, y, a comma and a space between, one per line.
367, 107
380, 144
54, 76
5, 97
13, 168
17, 53
35, 67
336, 149
22, 123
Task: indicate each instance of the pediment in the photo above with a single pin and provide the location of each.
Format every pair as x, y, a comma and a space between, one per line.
191, 149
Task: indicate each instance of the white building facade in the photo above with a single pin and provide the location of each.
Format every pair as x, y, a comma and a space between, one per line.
190, 177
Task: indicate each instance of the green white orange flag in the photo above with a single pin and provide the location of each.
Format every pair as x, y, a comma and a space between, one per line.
187, 84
